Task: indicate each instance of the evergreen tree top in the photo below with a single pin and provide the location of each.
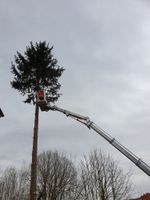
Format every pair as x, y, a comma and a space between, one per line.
36, 69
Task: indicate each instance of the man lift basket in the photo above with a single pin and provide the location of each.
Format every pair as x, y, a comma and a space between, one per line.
41, 100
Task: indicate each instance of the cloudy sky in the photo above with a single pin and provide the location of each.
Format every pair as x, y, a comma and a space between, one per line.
104, 46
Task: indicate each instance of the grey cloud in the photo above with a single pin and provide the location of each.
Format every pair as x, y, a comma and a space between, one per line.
104, 46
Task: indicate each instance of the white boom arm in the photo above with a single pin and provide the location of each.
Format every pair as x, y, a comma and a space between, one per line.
85, 120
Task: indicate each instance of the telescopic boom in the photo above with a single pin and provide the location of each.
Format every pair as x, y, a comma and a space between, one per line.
91, 125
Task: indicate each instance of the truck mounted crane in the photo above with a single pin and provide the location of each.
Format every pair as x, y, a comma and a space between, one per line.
44, 106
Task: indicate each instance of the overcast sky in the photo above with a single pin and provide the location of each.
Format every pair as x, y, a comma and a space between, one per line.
104, 46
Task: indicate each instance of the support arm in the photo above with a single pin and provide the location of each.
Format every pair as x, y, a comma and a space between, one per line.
85, 120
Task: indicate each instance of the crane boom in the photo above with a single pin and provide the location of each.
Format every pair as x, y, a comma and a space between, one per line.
91, 125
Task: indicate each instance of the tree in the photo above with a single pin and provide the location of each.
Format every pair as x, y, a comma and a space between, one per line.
97, 177
57, 177
36, 69
14, 184
103, 179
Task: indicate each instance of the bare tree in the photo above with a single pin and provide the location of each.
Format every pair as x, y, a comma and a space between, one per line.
14, 184
98, 177
57, 176
103, 179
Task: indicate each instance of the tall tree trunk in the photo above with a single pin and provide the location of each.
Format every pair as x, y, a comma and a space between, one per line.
34, 156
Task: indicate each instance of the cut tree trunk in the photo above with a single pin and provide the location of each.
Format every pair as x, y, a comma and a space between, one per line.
33, 184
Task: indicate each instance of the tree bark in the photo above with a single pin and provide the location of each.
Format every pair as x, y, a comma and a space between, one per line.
33, 184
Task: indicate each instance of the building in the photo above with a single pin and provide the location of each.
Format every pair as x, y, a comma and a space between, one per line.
145, 197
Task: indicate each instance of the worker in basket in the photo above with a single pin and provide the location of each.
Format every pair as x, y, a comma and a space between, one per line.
41, 97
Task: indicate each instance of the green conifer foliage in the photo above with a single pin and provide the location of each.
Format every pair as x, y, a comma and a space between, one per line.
36, 69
